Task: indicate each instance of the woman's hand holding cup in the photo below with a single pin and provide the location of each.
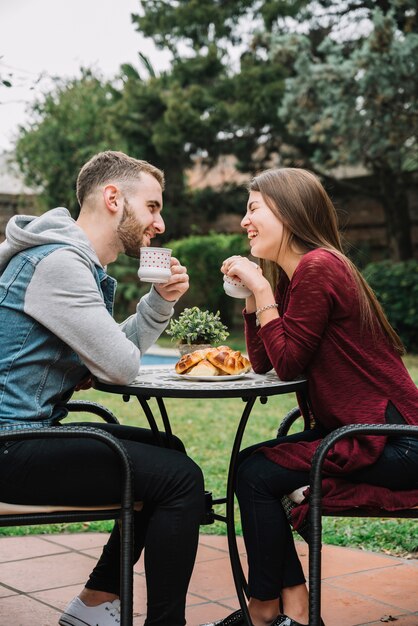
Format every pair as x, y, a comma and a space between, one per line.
241, 276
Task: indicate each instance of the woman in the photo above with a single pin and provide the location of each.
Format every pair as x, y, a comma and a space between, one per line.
312, 313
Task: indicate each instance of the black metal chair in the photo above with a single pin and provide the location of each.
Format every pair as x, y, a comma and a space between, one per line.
313, 530
21, 515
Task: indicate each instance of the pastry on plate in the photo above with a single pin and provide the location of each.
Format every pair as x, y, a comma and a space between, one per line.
228, 361
189, 360
213, 362
204, 368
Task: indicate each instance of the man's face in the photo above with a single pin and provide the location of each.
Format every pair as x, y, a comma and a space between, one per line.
141, 218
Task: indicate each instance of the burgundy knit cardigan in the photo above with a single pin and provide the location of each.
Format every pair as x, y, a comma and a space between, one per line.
352, 375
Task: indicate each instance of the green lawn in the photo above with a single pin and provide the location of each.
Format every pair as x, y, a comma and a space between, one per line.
207, 428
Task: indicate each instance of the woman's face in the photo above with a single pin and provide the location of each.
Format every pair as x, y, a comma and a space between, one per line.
264, 229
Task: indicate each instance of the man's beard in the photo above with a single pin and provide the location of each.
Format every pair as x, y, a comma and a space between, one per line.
130, 232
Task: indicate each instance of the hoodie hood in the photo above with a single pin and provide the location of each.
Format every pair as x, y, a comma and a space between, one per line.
55, 226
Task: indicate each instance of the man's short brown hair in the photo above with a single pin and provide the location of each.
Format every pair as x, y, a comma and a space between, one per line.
112, 166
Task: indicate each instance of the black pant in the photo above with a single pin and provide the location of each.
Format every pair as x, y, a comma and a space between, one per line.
273, 563
86, 472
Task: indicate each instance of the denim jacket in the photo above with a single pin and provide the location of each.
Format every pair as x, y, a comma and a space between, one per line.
56, 323
34, 390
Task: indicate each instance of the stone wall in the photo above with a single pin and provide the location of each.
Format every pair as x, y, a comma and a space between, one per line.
363, 225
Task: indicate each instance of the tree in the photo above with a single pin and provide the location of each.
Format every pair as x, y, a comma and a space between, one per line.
162, 119
70, 124
238, 102
249, 92
235, 66
359, 106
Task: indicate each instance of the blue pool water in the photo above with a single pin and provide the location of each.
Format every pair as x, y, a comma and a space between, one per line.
158, 359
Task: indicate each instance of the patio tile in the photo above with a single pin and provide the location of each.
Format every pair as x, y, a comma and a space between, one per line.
213, 579
402, 620
337, 561
46, 572
5, 592
80, 541
220, 542
60, 596
39, 575
13, 548
341, 607
22, 611
92, 553
206, 553
384, 585
207, 612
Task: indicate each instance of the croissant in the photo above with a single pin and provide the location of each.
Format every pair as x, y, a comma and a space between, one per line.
213, 362
228, 361
204, 368
189, 360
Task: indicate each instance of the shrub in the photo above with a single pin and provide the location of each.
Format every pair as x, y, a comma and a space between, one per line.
396, 288
197, 326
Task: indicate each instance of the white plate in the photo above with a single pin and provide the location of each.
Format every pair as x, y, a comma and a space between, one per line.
212, 379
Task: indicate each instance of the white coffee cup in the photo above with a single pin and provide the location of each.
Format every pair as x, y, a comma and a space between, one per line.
235, 288
154, 265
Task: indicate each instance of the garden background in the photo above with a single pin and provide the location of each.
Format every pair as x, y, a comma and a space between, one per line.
330, 85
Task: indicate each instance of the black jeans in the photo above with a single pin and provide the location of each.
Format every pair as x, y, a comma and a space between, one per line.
273, 563
86, 472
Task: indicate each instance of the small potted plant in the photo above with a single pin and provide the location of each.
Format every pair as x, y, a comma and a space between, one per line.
195, 329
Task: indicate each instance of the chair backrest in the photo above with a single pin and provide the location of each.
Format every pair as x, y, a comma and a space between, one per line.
20, 515
311, 528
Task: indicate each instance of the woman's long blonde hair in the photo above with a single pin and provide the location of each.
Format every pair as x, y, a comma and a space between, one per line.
310, 221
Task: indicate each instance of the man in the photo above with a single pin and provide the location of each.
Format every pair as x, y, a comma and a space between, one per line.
57, 329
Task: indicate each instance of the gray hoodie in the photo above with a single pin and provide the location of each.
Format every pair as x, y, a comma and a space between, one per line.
62, 294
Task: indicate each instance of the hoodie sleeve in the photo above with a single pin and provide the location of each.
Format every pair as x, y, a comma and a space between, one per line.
63, 296
150, 320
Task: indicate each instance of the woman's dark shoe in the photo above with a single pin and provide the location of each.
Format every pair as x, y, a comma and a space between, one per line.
283, 620
235, 619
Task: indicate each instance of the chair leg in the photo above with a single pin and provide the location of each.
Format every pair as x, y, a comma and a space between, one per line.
315, 582
315, 553
126, 566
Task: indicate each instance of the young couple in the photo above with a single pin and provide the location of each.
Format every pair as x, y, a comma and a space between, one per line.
310, 312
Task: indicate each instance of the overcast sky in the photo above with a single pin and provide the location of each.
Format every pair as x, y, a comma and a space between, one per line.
56, 37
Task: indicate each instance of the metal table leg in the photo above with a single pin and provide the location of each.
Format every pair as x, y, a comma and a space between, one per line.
238, 574
151, 420
166, 422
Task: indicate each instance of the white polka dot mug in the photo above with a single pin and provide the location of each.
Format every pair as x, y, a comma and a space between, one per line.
154, 265
235, 288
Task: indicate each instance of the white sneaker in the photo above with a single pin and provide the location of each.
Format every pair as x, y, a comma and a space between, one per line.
78, 614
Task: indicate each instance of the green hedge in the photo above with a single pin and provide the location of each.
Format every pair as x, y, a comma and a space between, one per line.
396, 287
129, 290
203, 256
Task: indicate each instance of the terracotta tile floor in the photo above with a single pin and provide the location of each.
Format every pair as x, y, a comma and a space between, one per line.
39, 574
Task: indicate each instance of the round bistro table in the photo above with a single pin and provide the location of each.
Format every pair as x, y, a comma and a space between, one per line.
162, 382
